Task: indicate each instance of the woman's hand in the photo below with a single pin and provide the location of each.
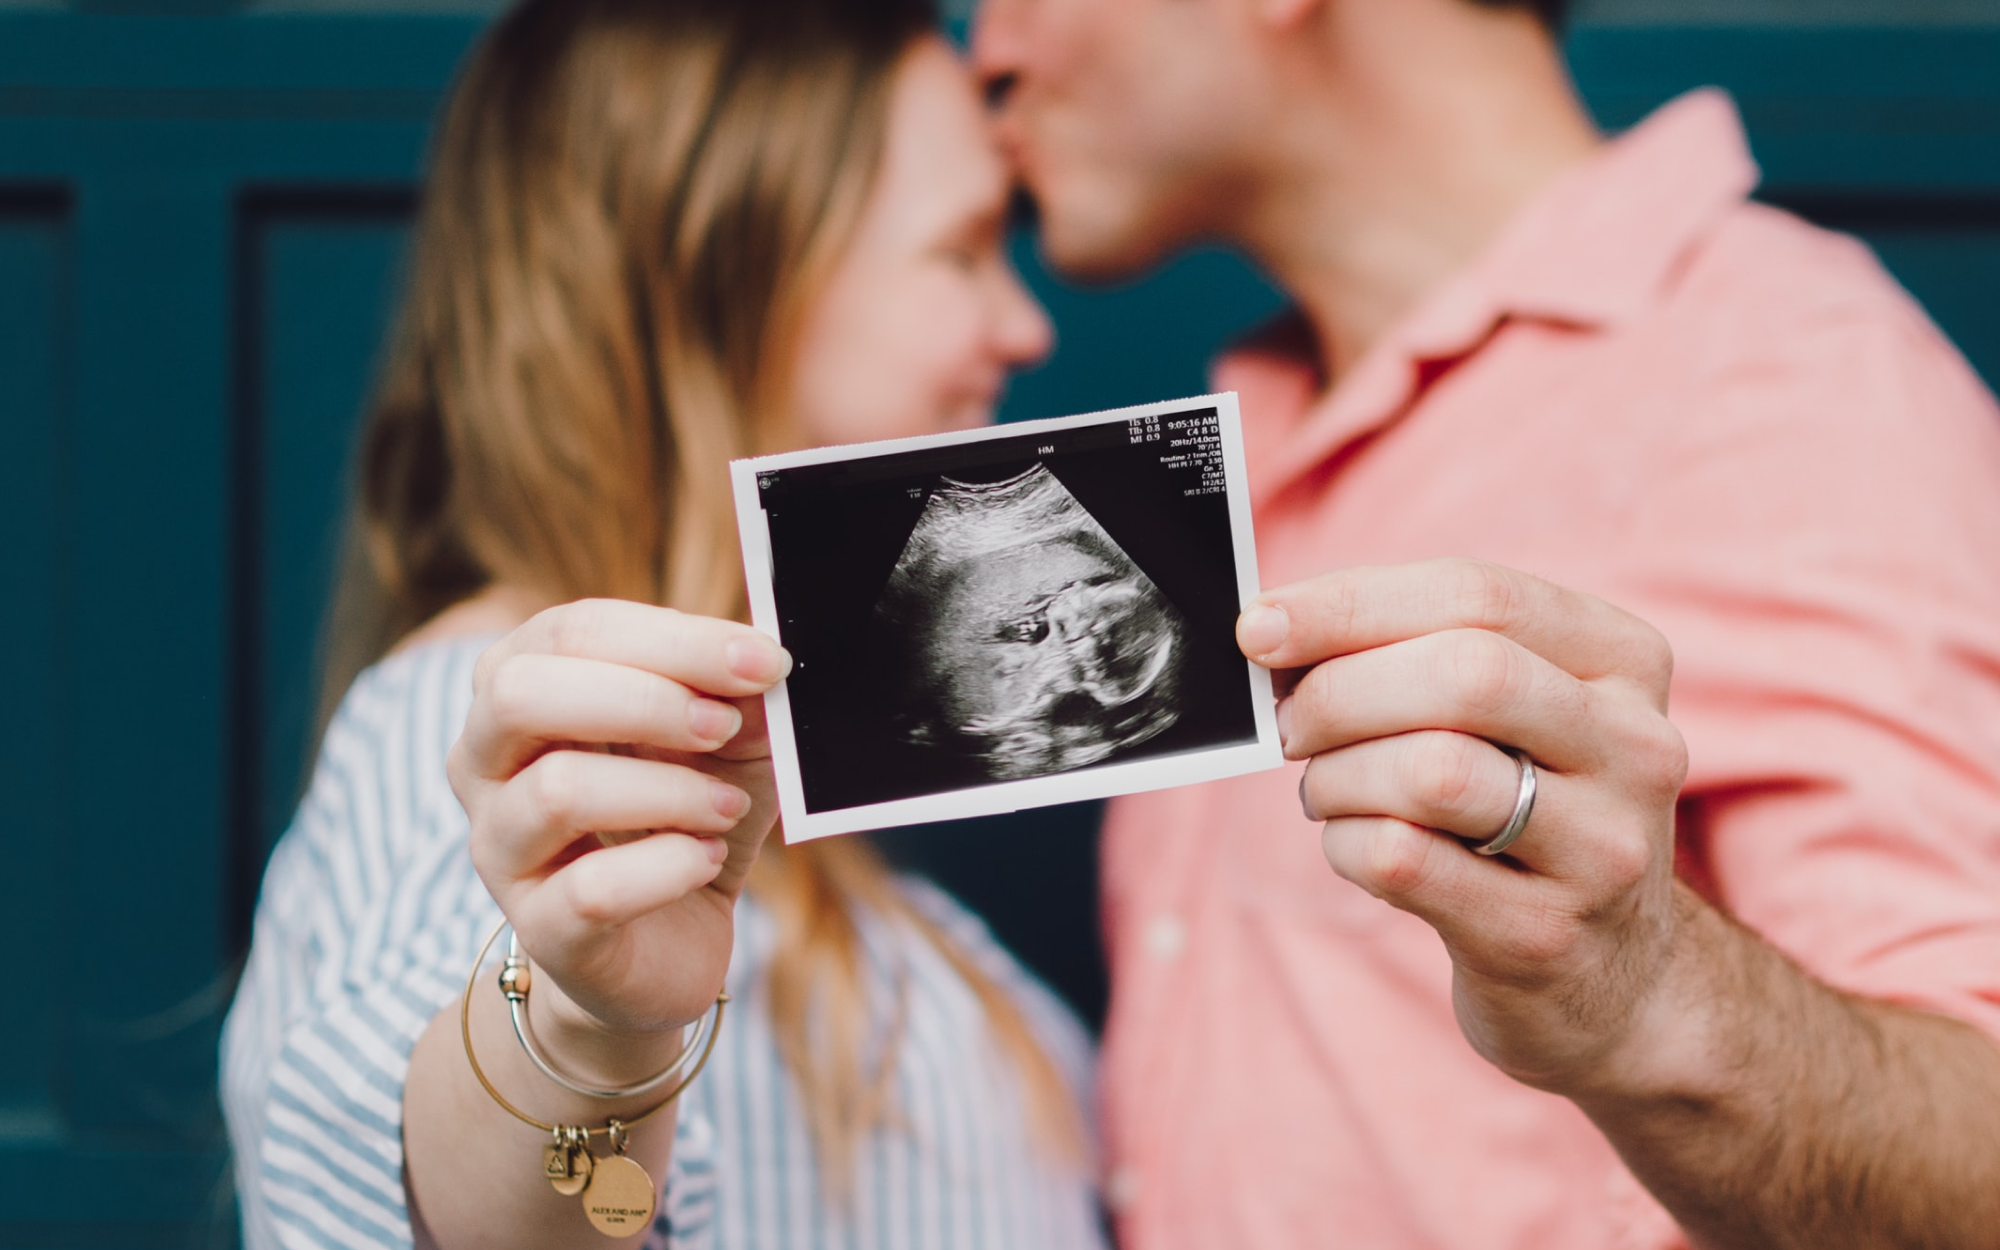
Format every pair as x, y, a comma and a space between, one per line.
617, 776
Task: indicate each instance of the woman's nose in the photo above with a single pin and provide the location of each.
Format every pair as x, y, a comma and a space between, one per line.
1022, 333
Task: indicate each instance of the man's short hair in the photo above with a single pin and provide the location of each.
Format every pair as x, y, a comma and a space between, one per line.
1552, 12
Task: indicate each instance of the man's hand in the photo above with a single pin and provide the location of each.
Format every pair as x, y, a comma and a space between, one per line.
1763, 1108
1416, 677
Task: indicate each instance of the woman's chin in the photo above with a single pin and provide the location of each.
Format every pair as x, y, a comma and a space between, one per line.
971, 415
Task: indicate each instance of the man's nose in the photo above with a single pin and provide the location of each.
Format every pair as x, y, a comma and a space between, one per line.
998, 88
996, 49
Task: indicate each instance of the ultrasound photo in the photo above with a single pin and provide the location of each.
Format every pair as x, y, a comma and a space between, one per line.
1029, 614
1031, 642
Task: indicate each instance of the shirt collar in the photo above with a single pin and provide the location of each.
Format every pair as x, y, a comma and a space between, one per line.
1602, 244
1596, 249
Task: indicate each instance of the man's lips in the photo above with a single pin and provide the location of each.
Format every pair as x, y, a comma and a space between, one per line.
1011, 137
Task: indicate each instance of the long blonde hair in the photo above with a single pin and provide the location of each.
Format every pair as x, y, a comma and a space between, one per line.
629, 203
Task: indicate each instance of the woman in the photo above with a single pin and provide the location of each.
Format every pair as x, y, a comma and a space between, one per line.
658, 234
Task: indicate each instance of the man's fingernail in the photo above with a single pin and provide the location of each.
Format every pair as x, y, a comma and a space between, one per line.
729, 802
716, 849
1285, 721
756, 660
1263, 629
713, 722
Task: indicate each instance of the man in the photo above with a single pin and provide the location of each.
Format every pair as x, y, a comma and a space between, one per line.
1738, 981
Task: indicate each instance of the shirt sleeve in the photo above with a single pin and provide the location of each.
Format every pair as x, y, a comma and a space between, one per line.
368, 921
1820, 542
1830, 581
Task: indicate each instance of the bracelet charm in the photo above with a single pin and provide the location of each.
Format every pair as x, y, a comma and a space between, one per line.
566, 1160
619, 1199
618, 1193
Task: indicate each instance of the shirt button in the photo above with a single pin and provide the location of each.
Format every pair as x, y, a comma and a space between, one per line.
1121, 1188
1165, 937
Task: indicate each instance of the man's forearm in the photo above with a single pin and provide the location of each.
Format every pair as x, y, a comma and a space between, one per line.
1804, 1117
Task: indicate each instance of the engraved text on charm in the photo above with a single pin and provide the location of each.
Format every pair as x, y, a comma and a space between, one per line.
620, 1198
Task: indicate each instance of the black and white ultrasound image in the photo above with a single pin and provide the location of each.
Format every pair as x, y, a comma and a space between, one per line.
1002, 610
1033, 643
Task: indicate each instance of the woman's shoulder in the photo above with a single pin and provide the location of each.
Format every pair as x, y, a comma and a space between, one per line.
379, 798
419, 690
399, 718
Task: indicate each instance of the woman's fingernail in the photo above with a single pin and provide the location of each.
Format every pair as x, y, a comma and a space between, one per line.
758, 660
1285, 721
713, 722
715, 848
728, 801
1263, 629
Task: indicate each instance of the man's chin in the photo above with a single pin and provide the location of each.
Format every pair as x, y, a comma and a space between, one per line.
1098, 257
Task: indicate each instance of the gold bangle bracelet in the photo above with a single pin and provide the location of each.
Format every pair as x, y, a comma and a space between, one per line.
618, 1194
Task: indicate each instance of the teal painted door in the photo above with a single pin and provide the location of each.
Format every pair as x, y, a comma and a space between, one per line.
197, 222
200, 225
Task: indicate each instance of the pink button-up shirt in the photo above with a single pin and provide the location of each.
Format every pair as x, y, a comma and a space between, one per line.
1724, 420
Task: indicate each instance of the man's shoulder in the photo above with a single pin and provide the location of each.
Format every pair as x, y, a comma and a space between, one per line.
1772, 306
1764, 274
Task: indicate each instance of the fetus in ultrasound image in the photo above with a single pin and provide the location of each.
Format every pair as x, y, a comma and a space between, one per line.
1028, 641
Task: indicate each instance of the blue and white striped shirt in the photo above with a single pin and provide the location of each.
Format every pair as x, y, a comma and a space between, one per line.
369, 919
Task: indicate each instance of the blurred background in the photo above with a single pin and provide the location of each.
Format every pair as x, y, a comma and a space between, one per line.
202, 207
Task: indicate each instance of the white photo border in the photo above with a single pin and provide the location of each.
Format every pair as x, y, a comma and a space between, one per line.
1096, 782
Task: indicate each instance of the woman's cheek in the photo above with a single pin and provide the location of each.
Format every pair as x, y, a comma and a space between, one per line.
962, 363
